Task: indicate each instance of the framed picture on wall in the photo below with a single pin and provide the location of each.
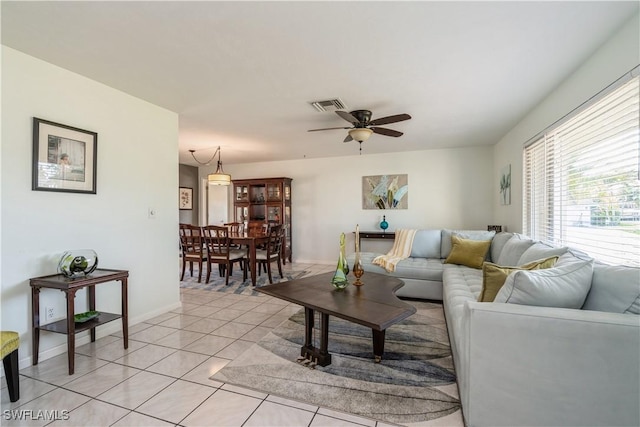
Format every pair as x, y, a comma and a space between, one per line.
64, 158
185, 198
505, 185
385, 192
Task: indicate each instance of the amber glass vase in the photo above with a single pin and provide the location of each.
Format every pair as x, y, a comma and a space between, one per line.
358, 271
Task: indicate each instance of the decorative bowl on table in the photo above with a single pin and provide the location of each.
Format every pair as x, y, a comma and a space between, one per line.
78, 262
86, 316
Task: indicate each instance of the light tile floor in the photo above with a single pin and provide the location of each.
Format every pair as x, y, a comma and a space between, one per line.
162, 379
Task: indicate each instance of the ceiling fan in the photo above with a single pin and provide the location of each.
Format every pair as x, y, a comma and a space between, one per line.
363, 126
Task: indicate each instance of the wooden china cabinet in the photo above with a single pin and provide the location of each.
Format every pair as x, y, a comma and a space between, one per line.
266, 200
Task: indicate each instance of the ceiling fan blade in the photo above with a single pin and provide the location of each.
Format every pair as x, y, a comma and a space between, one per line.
347, 116
390, 119
315, 130
387, 132
348, 138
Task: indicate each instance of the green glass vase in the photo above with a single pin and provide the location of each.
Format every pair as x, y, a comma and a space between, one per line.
339, 280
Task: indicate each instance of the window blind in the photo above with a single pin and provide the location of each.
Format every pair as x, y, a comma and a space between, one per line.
581, 178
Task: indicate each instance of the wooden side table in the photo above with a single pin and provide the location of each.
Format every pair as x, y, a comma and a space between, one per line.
389, 235
68, 326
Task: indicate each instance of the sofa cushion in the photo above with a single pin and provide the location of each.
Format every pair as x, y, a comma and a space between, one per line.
513, 250
426, 244
420, 268
615, 289
446, 245
464, 279
494, 276
470, 253
497, 243
540, 250
566, 285
463, 284
410, 268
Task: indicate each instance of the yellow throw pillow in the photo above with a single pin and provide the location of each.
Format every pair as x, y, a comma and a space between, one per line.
468, 252
494, 276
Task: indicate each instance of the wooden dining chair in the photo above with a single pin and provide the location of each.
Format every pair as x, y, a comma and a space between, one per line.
191, 244
219, 252
272, 252
257, 226
235, 228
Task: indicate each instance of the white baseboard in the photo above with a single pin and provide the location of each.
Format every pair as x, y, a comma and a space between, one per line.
315, 261
101, 331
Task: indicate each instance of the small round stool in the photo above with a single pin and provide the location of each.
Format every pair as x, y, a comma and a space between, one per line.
10, 342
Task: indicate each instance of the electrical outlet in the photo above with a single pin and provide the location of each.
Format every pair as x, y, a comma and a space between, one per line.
49, 313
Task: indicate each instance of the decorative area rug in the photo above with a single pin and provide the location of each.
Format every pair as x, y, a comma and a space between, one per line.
236, 284
415, 383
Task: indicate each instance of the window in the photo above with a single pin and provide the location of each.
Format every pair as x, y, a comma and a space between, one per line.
582, 178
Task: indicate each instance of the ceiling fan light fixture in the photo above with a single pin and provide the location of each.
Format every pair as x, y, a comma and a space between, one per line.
360, 134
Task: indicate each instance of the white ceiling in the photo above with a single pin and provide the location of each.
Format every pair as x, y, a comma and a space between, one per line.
241, 74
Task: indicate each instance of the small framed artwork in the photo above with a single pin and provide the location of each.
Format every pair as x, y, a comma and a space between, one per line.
385, 192
64, 158
505, 185
185, 199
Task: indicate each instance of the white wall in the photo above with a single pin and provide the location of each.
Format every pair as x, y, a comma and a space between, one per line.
614, 58
137, 169
447, 189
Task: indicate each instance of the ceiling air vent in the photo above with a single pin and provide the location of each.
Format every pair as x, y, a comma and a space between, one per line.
329, 105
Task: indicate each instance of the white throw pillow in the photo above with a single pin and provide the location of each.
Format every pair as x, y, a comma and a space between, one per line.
497, 244
540, 250
513, 250
615, 288
426, 244
566, 285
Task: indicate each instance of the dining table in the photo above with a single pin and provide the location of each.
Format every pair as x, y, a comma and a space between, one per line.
252, 239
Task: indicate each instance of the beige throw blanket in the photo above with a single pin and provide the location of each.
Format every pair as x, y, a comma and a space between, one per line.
401, 250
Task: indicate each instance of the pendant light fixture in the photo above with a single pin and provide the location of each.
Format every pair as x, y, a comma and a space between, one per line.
218, 177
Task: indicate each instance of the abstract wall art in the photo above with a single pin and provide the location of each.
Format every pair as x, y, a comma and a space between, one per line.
385, 192
505, 185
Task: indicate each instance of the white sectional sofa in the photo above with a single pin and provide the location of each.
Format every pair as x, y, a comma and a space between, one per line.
525, 361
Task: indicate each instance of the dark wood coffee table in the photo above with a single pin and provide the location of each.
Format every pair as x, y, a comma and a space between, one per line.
373, 305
